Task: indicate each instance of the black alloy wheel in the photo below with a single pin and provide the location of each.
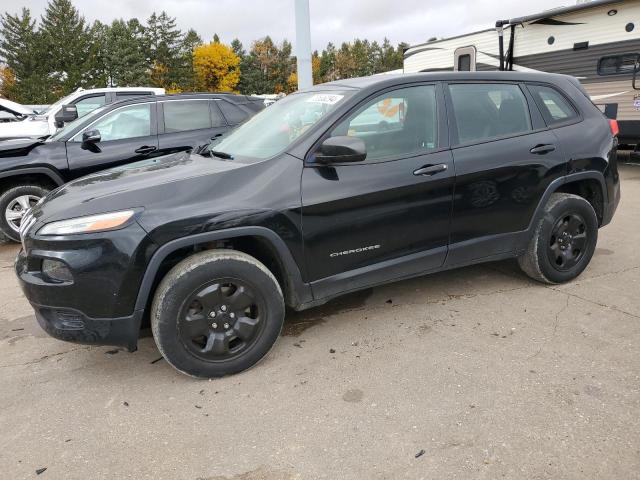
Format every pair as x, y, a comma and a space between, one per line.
221, 319
568, 241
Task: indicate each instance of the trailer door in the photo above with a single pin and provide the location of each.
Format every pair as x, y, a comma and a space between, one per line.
464, 59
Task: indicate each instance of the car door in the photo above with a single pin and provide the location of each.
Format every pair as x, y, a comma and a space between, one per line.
127, 134
388, 216
504, 157
187, 124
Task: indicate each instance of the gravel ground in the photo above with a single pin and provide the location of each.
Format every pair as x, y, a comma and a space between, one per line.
478, 373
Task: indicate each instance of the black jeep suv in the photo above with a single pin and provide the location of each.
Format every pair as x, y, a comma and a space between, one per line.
344, 186
111, 135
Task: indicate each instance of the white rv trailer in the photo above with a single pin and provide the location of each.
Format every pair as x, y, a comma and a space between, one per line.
598, 42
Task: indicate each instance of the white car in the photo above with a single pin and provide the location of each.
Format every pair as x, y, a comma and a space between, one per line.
27, 123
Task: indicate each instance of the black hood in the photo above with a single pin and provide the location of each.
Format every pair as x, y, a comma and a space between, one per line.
18, 147
129, 186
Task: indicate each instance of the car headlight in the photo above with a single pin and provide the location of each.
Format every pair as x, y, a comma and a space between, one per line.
89, 224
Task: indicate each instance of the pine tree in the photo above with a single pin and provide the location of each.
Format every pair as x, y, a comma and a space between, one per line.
64, 36
163, 41
190, 41
19, 52
125, 59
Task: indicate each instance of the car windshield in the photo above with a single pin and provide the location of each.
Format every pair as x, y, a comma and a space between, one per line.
69, 127
276, 127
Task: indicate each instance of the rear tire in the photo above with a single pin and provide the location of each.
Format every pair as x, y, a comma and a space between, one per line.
563, 242
13, 205
217, 313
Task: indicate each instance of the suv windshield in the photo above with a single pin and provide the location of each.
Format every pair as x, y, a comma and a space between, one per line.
69, 127
275, 128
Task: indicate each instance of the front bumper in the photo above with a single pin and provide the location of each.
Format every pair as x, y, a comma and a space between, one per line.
74, 326
97, 304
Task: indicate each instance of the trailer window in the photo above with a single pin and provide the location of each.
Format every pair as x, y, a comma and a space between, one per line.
618, 64
552, 104
464, 63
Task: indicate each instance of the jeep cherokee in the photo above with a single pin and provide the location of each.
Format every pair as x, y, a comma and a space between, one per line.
337, 188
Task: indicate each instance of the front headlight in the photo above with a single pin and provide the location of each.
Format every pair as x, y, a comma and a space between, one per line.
90, 224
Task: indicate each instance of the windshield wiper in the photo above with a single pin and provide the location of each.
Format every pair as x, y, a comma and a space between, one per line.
219, 154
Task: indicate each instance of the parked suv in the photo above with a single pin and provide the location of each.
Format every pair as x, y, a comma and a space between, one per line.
27, 123
341, 187
122, 132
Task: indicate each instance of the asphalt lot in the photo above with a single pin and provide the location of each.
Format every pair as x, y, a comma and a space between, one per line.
489, 373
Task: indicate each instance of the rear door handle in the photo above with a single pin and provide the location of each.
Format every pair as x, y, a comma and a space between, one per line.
145, 149
542, 149
430, 169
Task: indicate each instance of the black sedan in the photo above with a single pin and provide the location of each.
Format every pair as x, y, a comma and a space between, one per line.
118, 133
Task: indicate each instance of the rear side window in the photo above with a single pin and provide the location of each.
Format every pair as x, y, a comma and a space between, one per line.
232, 113
555, 108
484, 110
180, 116
617, 64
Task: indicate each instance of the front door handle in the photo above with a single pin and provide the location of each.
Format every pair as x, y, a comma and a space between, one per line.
431, 169
542, 149
146, 149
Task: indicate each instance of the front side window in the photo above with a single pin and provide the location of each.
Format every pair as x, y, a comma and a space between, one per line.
395, 124
275, 128
483, 110
89, 104
553, 106
618, 64
181, 115
127, 122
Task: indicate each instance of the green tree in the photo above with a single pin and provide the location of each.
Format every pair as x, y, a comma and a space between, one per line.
18, 51
65, 37
163, 41
190, 41
125, 59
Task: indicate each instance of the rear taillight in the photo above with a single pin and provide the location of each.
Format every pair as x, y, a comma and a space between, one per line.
615, 130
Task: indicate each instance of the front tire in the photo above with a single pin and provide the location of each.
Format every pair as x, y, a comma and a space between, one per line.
13, 205
217, 313
563, 242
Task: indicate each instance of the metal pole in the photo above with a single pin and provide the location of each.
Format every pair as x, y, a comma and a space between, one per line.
303, 44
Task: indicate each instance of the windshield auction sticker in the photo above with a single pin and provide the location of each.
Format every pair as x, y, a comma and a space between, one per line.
326, 98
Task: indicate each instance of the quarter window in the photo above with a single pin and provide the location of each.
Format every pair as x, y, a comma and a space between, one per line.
618, 64
88, 104
127, 122
232, 113
395, 124
552, 104
484, 111
180, 116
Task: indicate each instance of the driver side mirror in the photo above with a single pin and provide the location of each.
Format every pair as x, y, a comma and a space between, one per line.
91, 136
68, 113
341, 149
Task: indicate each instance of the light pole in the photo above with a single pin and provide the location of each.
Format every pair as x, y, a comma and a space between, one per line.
303, 44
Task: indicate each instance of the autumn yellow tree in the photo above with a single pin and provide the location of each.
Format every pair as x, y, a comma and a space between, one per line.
7, 81
216, 67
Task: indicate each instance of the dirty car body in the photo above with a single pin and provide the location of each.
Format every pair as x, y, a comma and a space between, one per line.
458, 195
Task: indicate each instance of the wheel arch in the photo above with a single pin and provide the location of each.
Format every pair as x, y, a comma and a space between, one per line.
49, 176
571, 183
260, 242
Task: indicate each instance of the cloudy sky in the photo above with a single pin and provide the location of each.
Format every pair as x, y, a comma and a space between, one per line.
412, 21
